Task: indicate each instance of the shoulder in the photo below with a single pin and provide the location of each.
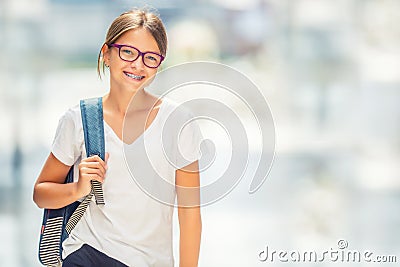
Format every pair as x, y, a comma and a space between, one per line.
73, 111
71, 116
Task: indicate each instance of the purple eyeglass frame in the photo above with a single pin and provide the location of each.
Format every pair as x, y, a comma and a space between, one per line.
140, 53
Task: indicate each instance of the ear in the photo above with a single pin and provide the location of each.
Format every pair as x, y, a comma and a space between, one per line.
105, 51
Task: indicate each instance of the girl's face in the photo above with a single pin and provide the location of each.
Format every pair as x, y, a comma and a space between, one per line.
131, 75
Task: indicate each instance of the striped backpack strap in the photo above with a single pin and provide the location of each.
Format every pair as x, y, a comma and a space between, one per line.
93, 129
52, 234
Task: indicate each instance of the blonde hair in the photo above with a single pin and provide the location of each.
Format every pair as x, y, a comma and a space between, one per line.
130, 20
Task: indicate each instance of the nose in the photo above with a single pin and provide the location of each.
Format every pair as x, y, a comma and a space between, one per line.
138, 63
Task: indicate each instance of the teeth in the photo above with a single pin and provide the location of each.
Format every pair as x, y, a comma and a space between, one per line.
137, 77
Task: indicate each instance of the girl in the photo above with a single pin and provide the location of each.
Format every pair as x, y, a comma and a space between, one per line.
132, 228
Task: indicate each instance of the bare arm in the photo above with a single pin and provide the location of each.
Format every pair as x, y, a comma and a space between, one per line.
188, 195
50, 190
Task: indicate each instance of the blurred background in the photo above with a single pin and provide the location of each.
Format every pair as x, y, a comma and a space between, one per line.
330, 71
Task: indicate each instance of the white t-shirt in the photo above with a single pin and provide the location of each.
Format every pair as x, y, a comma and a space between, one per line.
134, 226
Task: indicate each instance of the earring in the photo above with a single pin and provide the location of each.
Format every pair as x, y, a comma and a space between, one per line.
107, 66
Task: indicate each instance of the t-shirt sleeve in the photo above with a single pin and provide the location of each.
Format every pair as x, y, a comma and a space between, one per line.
189, 140
65, 144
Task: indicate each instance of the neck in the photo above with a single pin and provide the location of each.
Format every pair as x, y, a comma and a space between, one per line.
118, 101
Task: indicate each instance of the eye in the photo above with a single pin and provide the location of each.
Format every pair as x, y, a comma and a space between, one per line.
151, 57
126, 51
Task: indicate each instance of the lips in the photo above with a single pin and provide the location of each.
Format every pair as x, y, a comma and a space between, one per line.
133, 76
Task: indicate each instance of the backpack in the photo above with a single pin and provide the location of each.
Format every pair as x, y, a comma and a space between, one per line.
58, 223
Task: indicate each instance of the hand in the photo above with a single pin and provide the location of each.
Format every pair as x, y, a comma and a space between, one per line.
91, 168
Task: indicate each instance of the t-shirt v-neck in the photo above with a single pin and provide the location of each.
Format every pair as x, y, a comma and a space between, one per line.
145, 132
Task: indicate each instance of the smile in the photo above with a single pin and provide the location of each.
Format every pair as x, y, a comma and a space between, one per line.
133, 76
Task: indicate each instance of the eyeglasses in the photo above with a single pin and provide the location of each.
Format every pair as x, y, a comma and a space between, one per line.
130, 54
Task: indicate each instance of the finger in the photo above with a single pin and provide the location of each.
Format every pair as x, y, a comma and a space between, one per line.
98, 169
92, 158
85, 167
93, 176
97, 178
95, 165
96, 158
107, 156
